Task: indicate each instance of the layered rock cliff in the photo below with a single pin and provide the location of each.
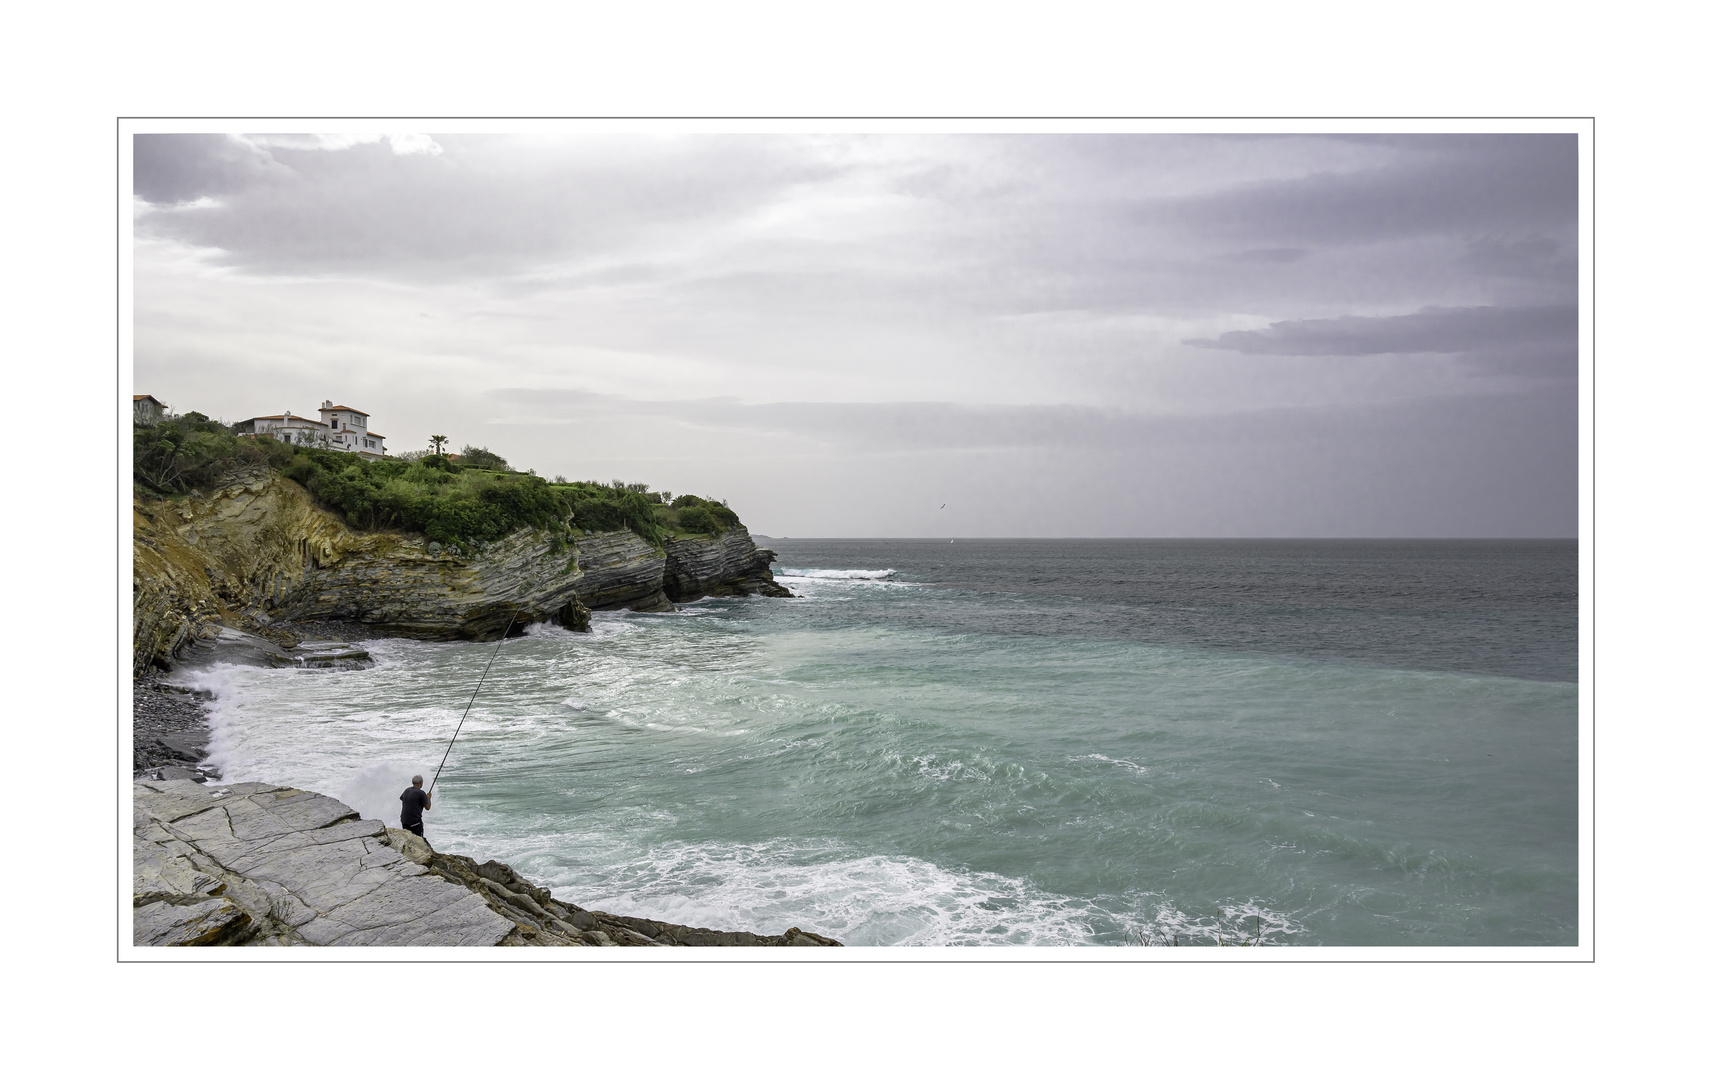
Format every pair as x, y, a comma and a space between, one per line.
260, 551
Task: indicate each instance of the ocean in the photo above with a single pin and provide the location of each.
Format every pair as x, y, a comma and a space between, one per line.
1004, 742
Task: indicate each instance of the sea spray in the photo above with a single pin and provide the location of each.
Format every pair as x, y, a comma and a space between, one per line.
374, 791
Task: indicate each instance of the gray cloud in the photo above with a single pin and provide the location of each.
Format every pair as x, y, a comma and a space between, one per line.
171, 169
1494, 465
1486, 331
1268, 255
486, 205
1438, 184
985, 302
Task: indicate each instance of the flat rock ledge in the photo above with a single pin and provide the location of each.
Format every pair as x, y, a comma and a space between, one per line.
257, 864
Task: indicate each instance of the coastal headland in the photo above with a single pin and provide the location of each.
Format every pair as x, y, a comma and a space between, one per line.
259, 555
257, 570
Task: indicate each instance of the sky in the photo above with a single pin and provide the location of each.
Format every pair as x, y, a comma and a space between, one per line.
910, 334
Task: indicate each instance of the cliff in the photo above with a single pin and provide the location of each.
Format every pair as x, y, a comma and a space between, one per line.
258, 864
260, 551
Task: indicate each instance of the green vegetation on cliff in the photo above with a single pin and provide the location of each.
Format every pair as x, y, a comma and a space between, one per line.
189, 453
598, 508
474, 500
690, 514
435, 497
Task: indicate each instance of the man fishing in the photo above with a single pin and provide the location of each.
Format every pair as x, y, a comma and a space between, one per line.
415, 801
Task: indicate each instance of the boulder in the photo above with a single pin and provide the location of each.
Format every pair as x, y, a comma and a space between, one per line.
411, 846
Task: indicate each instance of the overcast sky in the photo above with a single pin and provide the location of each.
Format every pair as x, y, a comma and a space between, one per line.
1052, 335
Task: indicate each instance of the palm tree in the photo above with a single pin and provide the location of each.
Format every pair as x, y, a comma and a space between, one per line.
438, 443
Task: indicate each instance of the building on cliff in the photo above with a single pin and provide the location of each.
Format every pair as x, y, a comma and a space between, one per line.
340, 428
146, 409
350, 430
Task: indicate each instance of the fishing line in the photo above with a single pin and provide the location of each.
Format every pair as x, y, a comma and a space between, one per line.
479, 682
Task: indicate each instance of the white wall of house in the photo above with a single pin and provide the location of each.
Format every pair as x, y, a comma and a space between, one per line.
146, 409
348, 430
300, 430
340, 428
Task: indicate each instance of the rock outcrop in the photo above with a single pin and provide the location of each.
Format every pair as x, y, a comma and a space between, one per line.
729, 565
260, 551
257, 864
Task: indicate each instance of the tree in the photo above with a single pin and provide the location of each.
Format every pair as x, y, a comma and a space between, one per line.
437, 443
480, 457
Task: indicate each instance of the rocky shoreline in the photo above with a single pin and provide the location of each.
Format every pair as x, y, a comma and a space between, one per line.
169, 731
255, 573
258, 555
263, 865
169, 725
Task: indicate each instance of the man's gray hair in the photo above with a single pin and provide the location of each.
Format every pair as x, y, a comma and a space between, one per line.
417, 779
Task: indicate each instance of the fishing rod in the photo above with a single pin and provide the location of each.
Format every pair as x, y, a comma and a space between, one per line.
466, 715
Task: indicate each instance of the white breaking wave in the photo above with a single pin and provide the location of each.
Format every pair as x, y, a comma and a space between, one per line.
861, 900
1119, 762
839, 575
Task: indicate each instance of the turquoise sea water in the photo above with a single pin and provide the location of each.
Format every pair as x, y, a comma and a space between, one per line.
1005, 742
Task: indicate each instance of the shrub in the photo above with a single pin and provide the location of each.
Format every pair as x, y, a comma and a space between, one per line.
480, 457
473, 501
691, 514
599, 507
191, 452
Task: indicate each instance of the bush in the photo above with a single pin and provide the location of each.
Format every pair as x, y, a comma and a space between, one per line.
431, 495
187, 453
599, 507
480, 457
691, 514
473, 501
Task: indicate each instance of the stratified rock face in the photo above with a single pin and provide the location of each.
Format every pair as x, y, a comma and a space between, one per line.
728, 565
395, 584
620, 569
256, 864
260, 550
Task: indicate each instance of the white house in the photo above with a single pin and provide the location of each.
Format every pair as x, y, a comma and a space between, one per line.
340, 428
348, 429
146, 409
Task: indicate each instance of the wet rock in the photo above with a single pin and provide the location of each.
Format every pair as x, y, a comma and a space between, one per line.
211, 921
259, 555
727, 565
302, 868
411, 846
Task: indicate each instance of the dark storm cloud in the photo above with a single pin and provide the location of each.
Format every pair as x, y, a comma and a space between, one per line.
1431, 330
171, 169
1434, 185
1532, 258
1073, 221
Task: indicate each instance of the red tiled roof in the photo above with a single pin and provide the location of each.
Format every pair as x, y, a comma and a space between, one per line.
345, 408
148, 397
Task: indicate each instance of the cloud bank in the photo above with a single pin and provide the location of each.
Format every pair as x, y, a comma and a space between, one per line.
682, 308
